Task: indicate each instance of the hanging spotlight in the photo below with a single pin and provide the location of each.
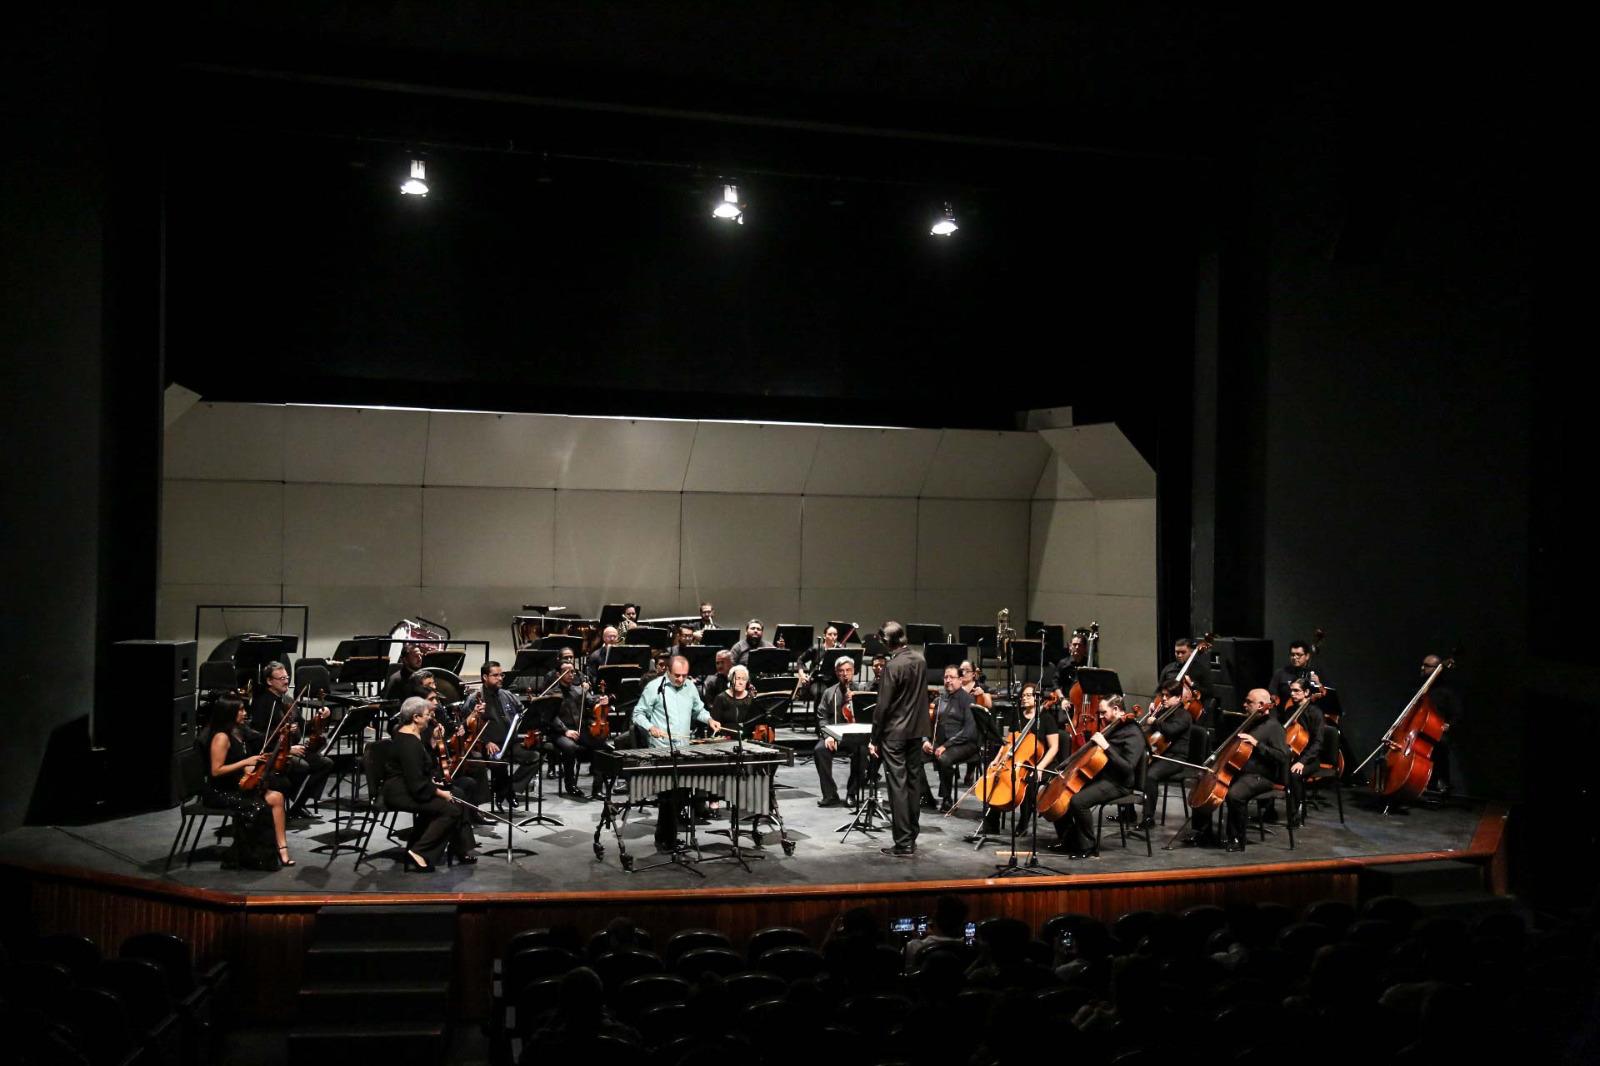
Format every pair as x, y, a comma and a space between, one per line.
946, 225
729, 208
417, 183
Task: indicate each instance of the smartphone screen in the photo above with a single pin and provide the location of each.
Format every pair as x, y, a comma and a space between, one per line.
903, 926
922, 926
972, 933
1066, 941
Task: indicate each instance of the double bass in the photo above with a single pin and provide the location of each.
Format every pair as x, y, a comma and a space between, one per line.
1408, 745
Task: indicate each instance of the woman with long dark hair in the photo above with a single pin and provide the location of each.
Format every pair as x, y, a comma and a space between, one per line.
258, 837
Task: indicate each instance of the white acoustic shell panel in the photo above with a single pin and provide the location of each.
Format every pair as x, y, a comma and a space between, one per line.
751, 458
498, 450
366, 535
497, 538
853, 541
226, 442
973, 464
354, 446
871, 462
743, 540
639, 455
222, 532
617, 540
972, 544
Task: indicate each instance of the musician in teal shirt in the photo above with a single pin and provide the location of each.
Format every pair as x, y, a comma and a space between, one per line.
672, 699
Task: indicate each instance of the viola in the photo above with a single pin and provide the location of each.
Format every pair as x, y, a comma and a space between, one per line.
317, 732
599, 725
763, 734
846, 710
1408, 760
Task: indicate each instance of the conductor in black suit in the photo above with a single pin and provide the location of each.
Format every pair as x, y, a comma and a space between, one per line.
900, 724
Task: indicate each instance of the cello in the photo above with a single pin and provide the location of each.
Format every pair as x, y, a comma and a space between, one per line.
1081, 767
1191, 699
1210, 790
1003, 784
1408, 744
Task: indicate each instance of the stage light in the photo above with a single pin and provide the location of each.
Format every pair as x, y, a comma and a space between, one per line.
417, 183
946, 224
729, 208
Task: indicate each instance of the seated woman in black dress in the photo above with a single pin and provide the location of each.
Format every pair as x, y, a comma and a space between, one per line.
258, 812
409, 786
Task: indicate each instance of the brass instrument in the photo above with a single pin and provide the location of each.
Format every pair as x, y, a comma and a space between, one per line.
1003, 634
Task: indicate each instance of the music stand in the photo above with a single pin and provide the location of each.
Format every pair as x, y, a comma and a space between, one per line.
1098, 681
923, 633
634, 655
538, 661
702, 660
364, 669
770, 661
1026, 654
873, 646
797, 638
650, 636
557, 641
984, 638
939, 656
253, 653
829, 664
611, 613
452, 661
848, 631
720, 638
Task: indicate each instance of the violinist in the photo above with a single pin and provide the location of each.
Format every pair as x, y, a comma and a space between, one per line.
1306, 762
502, 741
736, 705
753, 639
1048, 730
832, 709
1267, 761
1299, 669
306, 774
1171, 719
565, 728
258, 813
954, 741
409, 786
1124, 745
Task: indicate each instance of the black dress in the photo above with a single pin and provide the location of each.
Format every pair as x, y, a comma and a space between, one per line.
255, 841
734, 713
408, 786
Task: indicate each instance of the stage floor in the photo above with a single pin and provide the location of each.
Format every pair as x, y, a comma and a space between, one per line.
136, 848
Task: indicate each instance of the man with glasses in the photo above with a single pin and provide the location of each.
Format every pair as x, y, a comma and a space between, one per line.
668, 710
566, 729
306, 774
955, 737
1299, 669
502, 740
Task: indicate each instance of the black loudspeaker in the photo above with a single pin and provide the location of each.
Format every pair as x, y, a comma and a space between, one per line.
1242, 662
150, 721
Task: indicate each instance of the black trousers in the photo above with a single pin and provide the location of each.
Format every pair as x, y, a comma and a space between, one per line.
669, 814
823, 758
1158, 774
440, 824
955, 756
568, 752
1245, 788
902, 769
524, 763
1077, 828
471, 783
304, 776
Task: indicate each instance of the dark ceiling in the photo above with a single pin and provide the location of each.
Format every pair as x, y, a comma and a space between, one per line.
566, 260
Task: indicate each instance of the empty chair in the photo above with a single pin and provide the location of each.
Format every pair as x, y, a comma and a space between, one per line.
1374, 933
638, 994
1130, 928
1300, 941
752, 986
618, 966
532, 1002
167, 951
689, 939
530, 938
534, 963
874, 1015
696, 962
792, 963
1402, 912
98, 1022
76, 952
778, 936
665, 1022
991, 929
1332, 914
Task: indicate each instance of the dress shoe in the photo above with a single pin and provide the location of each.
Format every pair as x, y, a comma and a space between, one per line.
1091, 854
412, 866
675, 844
1233, 846
928, 801
1147, 823
576, 793
466, 860
945, 805
900, 852
852, 800
834, 802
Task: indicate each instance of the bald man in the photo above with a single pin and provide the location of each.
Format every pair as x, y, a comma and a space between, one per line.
1265, 768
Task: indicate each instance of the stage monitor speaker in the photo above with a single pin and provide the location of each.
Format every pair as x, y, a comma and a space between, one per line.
151, 721
1243, 662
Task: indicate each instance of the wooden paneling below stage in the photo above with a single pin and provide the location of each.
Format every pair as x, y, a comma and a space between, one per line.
265, 935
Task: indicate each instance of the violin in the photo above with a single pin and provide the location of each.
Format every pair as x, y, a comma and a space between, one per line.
317, 731
1408, 762
275, 762
845, 709
599, 724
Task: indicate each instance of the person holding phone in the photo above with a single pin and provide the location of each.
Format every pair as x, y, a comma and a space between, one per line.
949, 932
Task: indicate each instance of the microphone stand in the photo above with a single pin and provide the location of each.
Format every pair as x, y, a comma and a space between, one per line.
676, 856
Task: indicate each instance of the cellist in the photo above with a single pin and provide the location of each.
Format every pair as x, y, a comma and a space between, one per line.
1124, 744
1048, 730
1306, 761
1267, 760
